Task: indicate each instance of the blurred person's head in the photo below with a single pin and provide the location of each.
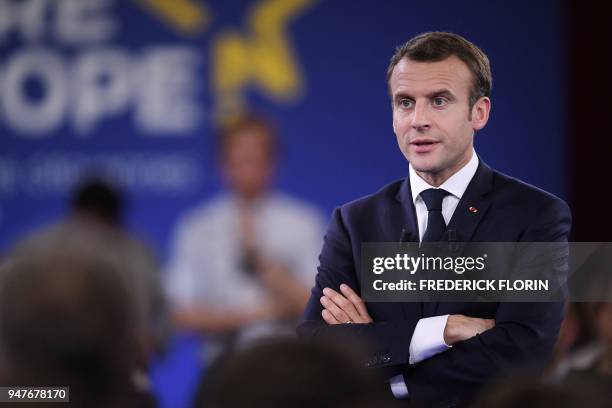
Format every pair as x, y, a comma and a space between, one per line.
66, 320
586, 318
513, 393
568, 334
604, 323
97, 199
248, 148
288, 373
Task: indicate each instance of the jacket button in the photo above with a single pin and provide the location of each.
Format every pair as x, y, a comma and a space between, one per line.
372, 361
385, 358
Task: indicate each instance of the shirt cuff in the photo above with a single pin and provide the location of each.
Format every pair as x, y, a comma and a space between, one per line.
428, 339
398, 387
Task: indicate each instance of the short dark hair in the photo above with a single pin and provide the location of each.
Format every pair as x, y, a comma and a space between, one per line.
437, 46
251, 121
97, 196
66, 319
286, 373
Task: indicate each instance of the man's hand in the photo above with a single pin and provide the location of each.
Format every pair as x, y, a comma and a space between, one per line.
343, 308
459, 328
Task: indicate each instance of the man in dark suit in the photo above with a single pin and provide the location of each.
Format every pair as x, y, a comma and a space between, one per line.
437, 354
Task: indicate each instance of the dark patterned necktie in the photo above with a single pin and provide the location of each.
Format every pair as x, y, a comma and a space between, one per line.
435, 221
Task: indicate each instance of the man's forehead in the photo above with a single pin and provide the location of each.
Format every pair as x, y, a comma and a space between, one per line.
451, 74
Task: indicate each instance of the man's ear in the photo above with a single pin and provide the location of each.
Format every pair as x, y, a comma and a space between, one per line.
480, 113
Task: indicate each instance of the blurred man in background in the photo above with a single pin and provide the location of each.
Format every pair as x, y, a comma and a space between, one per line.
94, 226
591, 358
242, 264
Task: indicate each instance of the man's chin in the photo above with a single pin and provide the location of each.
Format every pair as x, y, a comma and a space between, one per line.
425, 166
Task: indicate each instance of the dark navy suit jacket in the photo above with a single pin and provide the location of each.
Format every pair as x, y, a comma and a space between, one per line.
508, 211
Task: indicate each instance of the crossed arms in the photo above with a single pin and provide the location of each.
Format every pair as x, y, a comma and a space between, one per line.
347, 307
482, 345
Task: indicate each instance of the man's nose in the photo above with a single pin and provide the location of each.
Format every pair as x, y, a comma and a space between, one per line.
420, 117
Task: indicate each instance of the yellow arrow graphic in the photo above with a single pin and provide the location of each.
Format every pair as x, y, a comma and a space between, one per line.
259, 55
189, 17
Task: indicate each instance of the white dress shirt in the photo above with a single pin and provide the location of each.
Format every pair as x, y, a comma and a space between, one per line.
428, 337
205, 269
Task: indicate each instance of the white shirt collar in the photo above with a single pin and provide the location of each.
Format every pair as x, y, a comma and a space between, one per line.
456, 184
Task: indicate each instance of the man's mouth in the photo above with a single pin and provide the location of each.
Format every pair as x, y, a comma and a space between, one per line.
424, 145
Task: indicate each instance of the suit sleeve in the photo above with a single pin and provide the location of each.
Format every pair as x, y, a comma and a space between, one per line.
524, 333
387, 342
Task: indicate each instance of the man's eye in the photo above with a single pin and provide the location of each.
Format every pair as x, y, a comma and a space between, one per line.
439, 101
406, 103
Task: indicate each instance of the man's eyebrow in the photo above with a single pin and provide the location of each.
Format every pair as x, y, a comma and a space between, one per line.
402, 95
437, 93
441, 92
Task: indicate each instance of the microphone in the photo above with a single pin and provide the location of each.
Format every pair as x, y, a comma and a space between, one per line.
451, 238
406, 236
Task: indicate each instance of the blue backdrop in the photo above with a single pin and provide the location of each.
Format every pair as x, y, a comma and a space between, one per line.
135, 87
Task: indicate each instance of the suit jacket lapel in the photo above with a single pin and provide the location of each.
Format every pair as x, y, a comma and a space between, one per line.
409, 232
472, 207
